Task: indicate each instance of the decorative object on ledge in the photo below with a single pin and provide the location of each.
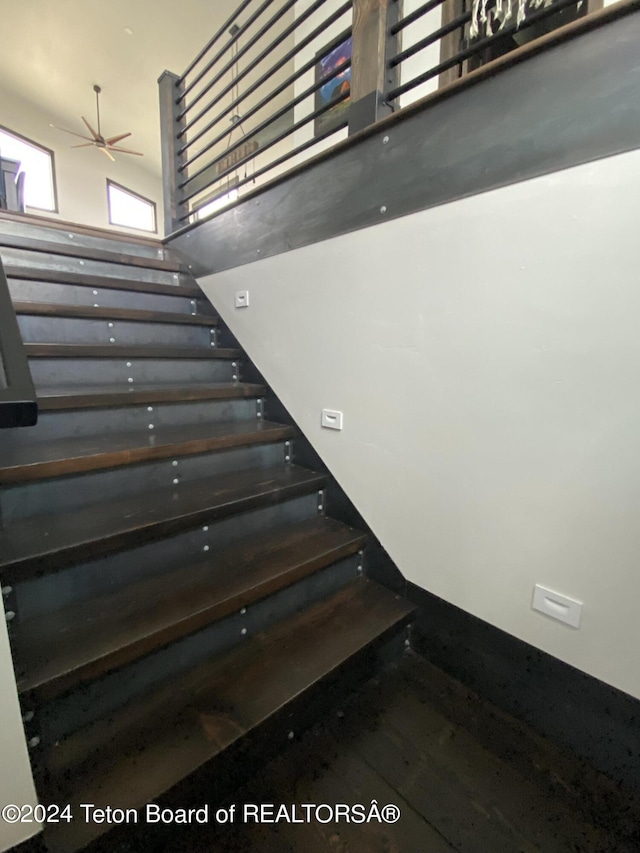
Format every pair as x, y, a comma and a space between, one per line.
244, 150
97, 139
494, 16
327, 64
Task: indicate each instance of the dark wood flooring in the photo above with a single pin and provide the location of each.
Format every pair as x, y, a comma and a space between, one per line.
465, 776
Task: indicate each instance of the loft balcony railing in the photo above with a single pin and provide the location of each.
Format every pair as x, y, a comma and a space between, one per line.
282, 80
18, 405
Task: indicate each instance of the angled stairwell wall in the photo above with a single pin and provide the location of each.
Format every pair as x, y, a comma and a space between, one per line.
484, 354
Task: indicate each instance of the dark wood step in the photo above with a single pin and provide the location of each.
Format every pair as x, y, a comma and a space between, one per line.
81, 642
79, 229
51, 542
152, 744
126, 351
32, 244
102, 282
73, 456
61, 399
88, 312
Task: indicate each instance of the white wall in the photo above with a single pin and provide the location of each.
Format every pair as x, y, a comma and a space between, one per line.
486, 356
81, 174
428, 57
16, 782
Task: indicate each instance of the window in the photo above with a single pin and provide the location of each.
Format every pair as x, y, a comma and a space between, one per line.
217, 204
37, 164
130, 209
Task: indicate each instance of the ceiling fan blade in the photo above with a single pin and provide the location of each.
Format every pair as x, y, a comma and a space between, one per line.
95, 135
84, 145
73, 133
125, 151
104, 151
115, 139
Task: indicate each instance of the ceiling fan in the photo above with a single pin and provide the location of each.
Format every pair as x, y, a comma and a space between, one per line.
97, 139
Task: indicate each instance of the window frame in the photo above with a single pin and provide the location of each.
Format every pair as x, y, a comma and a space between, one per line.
138, 196
52, 158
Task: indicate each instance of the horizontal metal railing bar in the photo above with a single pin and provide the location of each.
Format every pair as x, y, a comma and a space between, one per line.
233, 61
478, 47
415, 16
310, 90
212, 41
250, 67
242, 28
294, 127
430, 39
280, 160
266, 100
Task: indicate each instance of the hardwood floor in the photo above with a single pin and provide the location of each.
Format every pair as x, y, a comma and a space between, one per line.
465, 777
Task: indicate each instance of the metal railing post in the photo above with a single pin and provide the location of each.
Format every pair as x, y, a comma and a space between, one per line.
170, 89
370, 73
18, 404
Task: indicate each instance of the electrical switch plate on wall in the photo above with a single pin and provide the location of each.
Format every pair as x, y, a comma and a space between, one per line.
331, 419
559, 607
242, 299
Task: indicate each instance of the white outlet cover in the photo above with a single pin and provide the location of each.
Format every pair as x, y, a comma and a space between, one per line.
557, 606
331, 419
242, 299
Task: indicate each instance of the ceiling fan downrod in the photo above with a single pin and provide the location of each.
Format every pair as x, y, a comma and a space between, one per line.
97, 90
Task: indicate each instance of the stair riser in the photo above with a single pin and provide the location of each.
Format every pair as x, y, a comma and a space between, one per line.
73, 294
69, 330
88, 422
163, 372
73, 585
79, 490
44, 261
83, 705
75, 238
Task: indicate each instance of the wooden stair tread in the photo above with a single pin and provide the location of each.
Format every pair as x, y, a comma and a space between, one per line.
49, 247
81, 642
128, 351
75, 455
151, 745
88, 312
116, 396
102, 282
49, 542
80, 229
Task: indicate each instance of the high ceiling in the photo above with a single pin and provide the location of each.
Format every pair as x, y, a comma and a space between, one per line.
54, 51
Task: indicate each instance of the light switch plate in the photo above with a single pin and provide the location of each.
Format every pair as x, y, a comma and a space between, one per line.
242, 299
559, 607
331, 419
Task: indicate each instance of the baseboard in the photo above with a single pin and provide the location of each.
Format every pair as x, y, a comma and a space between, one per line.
594, 720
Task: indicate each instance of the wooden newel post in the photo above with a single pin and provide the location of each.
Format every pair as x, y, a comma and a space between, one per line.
170, 144
370, 75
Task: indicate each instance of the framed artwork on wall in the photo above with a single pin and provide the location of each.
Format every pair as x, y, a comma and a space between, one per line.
327, 62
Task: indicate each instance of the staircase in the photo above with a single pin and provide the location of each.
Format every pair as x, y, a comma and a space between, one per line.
171, 579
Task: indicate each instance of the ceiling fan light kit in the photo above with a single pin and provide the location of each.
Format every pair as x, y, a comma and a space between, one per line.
97, 140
